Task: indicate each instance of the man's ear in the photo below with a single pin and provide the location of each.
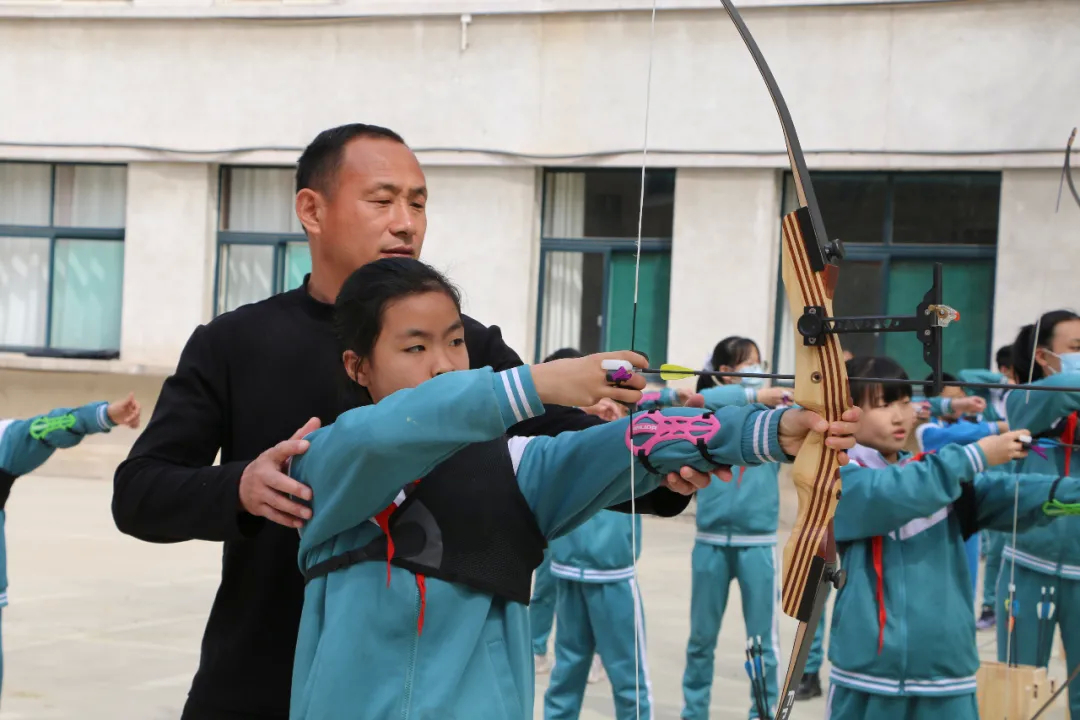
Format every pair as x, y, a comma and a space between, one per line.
309, 205
355, 368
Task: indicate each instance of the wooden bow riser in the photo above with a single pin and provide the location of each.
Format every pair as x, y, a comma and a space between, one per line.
820, 385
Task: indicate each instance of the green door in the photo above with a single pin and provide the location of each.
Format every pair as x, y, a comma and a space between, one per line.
968, 287
654, 293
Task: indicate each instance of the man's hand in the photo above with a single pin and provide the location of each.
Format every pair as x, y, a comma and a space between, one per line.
1000, 449
688, 480
126, 411
607, 409
264, 486
581, 382
795, 425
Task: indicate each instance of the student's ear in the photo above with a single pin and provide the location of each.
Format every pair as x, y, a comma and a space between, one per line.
355, 367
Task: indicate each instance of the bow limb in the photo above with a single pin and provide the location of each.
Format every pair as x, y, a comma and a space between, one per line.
821, 385
1066, 173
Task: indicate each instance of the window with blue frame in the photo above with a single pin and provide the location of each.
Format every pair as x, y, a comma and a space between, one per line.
61, 258
894, 227
262, 249
587, 256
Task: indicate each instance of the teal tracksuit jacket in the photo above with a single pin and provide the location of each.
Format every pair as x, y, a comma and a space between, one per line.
903, 625
359, 652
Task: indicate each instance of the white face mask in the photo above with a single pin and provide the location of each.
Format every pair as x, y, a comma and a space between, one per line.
1070, 362
752, 382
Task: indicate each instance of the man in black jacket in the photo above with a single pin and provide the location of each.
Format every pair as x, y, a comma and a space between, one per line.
247, 381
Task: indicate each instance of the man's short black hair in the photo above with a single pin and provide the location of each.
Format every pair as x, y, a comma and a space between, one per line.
319, 162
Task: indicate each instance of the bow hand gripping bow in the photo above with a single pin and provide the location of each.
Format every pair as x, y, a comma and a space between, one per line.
810, 271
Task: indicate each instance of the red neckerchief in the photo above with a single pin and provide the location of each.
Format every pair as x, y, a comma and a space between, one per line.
382, 519
877, 551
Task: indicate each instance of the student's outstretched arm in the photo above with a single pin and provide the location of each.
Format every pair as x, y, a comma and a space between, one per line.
668, 397
356, 466
727, 396
995, 493
1038, 410
934, 437
568, 478
876, 501
26, 444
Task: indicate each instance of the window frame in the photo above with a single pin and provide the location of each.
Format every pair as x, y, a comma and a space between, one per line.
887, 251
279, 240
53, 233
604, 246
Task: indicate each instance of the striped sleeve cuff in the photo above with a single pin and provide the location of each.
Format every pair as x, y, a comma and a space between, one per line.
976, 457
104, 422
946, 406
760, 441
516, 393
751, 395
993, 427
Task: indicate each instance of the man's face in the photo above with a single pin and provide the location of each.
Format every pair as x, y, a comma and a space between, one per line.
373, 208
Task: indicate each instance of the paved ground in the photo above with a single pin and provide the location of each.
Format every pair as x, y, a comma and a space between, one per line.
102, 627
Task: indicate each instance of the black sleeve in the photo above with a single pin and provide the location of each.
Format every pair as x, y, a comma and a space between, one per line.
486, 347
168, 489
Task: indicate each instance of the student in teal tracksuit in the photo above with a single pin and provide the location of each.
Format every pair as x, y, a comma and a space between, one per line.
599, 610
992, 542
427, 523
961, 419
1047, 556
542, 604
25, 445
903, 634
736, 540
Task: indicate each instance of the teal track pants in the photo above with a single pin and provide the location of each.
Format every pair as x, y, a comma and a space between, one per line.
598, 618
848, 704
714, 567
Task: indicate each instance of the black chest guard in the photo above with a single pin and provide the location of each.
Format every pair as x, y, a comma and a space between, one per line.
466, 522
6, 481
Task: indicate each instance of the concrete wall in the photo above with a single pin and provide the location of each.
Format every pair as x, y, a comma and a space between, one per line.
723, 260
1038, 258
169, 259
879, 81
483, 232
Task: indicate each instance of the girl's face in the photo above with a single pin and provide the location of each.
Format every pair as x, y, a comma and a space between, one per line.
422, 336
885, 427
1066, 339
754, 358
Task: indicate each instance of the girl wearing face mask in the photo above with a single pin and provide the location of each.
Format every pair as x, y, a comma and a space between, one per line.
1045, 557
736, 538
903, 629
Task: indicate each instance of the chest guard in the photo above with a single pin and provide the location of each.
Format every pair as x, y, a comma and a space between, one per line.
6, 481
466, 522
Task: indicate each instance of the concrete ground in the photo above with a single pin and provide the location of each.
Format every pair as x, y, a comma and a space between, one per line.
103, 627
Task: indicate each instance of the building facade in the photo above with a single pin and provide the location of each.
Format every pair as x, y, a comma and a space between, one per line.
146, 146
